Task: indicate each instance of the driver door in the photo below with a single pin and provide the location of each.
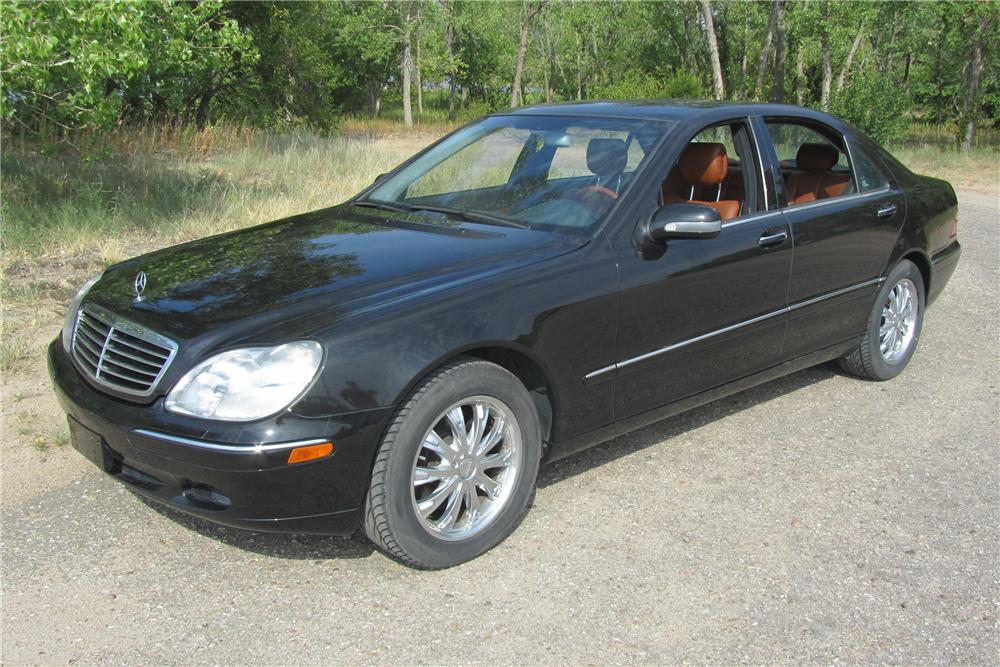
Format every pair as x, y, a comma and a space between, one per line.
698, 313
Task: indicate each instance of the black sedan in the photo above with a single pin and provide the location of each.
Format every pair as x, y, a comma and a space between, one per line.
534, 283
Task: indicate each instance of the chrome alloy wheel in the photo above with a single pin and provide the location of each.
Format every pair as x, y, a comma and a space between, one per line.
899, 320
466, 468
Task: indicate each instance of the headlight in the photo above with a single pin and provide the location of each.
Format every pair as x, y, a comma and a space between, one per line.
247, 384
74, 307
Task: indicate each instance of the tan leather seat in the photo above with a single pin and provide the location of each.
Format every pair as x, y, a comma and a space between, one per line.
814, 180
704, 165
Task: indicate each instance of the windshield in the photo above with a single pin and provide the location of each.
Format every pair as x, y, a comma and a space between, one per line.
544, 172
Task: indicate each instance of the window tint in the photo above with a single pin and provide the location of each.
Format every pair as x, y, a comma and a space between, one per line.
813, 166
571, 161
484, 164
868, 174
788, 137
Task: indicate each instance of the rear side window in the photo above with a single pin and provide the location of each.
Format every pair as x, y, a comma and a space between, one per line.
869, 176
813, 163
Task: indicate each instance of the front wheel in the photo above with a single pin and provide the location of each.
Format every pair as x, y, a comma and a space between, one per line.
894, 325
456, 469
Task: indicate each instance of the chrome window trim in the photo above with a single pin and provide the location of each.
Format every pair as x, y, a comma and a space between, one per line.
837, 200
232, 449
132, 329
732, 327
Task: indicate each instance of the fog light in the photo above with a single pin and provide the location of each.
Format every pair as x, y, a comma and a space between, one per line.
310, 453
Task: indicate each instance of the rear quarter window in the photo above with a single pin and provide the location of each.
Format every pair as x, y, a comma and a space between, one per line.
866, 170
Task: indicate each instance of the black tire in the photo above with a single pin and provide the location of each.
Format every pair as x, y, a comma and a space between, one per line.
390, 519
866, 360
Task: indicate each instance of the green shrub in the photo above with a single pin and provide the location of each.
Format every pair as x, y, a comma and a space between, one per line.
878, 112
644, 85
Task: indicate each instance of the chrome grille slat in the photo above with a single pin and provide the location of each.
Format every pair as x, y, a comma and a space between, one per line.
126, 365
119, 353
134, 354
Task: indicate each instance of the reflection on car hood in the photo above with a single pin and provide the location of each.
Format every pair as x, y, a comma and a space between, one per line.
327, 263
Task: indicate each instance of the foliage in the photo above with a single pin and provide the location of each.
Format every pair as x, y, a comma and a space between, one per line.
863, 102
98, 63
89, 63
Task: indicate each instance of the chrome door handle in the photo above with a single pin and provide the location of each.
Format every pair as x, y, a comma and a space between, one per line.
886, 212
771, 240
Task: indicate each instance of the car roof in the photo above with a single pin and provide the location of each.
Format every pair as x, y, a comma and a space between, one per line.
674, 110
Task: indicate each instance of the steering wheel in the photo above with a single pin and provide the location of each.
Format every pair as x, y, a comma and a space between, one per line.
599, 189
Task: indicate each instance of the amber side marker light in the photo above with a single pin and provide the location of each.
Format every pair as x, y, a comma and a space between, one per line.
310, 453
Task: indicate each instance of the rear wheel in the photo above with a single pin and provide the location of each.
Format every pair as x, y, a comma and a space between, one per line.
457, 466
894, 325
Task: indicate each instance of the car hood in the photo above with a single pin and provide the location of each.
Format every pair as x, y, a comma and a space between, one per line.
313, 268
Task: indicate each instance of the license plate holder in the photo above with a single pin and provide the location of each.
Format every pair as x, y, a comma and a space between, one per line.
91, 445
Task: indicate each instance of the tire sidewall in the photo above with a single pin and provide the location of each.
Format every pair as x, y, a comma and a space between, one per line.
883, 369
472, 379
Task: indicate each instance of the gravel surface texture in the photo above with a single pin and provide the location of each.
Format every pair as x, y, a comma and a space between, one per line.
817, 518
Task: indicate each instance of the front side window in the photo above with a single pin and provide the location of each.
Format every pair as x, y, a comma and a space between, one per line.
813, 166
551, 172
717, 168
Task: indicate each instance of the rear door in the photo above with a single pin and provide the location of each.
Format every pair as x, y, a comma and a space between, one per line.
841, 241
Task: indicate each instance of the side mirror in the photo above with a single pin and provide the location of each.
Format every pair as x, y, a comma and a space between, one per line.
684, 221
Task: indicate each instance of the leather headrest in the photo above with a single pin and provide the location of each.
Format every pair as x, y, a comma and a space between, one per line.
704, 163
816, 157
607, 157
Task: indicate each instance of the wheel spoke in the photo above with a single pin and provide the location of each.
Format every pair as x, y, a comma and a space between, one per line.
422, 475
472, 501
493, 437
434, 443
459, 434
428, 505
487, 484
453, 508
499, 460
480, 417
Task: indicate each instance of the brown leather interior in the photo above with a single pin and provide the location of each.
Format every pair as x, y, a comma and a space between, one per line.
701, 177
814, 180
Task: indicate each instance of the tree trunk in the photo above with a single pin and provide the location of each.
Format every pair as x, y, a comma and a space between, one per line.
777, 7
449, 39
713, 48
528, 14
407, 68
800, 76
778, 91
579, 70
971, 111
742, 85
842, 77
463, 98
824, 99
419, 79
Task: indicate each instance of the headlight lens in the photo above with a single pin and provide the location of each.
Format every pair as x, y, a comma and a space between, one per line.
74, 307
247, 384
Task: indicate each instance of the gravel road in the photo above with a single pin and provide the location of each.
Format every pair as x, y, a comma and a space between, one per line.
817, 518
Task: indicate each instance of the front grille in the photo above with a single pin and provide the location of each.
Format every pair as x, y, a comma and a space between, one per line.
120, 354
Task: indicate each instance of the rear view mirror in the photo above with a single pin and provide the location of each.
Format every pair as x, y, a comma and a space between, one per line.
684, 221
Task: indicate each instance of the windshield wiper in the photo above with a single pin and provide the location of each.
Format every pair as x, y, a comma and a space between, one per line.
471, 216
382, 205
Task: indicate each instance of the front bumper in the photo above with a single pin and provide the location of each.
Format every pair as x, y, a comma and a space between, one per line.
235, 474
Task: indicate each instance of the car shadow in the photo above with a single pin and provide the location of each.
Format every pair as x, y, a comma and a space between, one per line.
672, 427
277, 545
322, 547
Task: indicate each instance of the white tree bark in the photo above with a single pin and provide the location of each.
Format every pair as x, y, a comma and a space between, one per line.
713, 49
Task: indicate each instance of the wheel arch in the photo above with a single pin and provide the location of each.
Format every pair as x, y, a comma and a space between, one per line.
919, 258
520, 363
